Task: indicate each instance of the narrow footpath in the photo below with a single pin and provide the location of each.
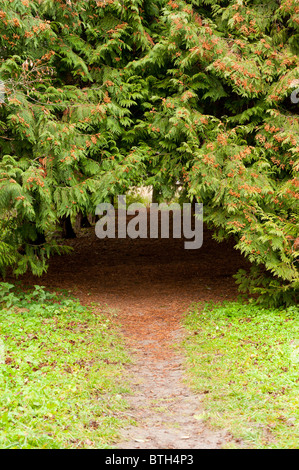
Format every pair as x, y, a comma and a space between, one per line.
151, 283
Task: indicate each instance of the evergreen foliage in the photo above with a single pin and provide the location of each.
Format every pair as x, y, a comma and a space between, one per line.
104, 95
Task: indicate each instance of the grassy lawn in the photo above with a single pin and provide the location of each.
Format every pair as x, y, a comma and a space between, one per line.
61, 381
244, 361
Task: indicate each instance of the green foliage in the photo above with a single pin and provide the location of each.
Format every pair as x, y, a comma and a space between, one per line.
243, 360
105, 95
60, 372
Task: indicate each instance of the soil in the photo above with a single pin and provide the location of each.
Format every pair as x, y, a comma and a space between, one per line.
151, 283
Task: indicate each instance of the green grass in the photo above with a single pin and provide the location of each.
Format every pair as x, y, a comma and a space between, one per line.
244, 360
61, 373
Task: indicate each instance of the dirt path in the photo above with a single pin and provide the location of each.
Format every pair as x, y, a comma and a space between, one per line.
151, 283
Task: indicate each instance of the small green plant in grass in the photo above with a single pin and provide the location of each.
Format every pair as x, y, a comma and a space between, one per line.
61, 382
244, 361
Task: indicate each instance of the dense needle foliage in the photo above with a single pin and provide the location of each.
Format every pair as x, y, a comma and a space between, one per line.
103, 95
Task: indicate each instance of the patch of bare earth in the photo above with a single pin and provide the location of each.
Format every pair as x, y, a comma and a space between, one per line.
151, 283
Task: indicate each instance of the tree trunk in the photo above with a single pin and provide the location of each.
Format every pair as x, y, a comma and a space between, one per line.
85, 222
82, 221
67, 228
194, 201
156, 196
